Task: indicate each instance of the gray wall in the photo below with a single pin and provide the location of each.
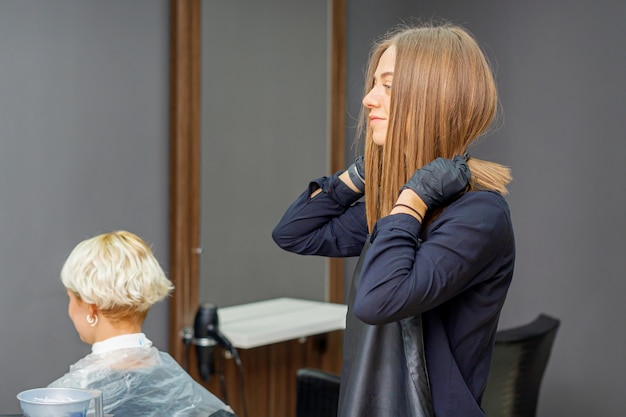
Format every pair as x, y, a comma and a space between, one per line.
560, 67
83, 150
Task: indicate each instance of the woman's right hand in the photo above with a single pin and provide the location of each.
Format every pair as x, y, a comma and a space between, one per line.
354, 176
439, 181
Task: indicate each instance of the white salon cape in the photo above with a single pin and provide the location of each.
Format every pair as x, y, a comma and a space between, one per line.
136, 379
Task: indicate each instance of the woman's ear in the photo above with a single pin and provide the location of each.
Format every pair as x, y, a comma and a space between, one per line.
93, 310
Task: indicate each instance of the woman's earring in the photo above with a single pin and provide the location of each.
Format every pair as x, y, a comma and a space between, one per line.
92, 320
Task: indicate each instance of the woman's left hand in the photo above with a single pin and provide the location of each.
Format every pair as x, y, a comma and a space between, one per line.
439, 181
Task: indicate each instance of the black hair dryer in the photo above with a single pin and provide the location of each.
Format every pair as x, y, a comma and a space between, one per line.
206, 336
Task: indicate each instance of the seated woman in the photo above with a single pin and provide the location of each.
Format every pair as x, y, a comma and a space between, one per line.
112, 280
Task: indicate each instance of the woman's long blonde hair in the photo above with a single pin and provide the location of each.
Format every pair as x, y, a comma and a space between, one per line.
443, 97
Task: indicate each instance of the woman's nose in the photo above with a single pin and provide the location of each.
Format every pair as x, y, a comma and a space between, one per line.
371, 100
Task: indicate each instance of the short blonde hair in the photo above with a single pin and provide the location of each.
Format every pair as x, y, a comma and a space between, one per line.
117, 272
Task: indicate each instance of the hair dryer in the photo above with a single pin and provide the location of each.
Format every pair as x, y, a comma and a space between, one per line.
206, 336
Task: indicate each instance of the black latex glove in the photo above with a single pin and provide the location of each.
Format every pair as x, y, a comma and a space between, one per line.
440, 180
356, 171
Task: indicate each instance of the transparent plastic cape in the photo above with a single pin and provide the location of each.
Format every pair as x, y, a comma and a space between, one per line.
143, 382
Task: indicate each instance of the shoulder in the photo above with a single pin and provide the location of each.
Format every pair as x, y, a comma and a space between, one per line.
485, 212
483, 197
167, 359
479, 204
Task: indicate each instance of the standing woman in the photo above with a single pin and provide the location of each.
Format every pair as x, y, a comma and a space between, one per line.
434, 233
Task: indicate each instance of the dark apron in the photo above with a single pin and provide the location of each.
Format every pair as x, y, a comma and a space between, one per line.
384, 369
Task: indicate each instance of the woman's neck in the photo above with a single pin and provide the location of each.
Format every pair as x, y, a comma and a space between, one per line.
107, 329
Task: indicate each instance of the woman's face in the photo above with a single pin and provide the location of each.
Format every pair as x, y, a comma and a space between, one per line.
78, 310
379, 97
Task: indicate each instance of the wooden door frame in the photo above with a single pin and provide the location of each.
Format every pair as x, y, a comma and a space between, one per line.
185, 137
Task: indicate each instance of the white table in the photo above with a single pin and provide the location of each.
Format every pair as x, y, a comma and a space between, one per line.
277, 320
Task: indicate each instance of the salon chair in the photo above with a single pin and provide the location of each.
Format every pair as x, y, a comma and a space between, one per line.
317, 393
519, 361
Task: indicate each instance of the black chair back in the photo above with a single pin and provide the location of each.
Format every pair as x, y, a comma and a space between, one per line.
317, 393
519, 361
